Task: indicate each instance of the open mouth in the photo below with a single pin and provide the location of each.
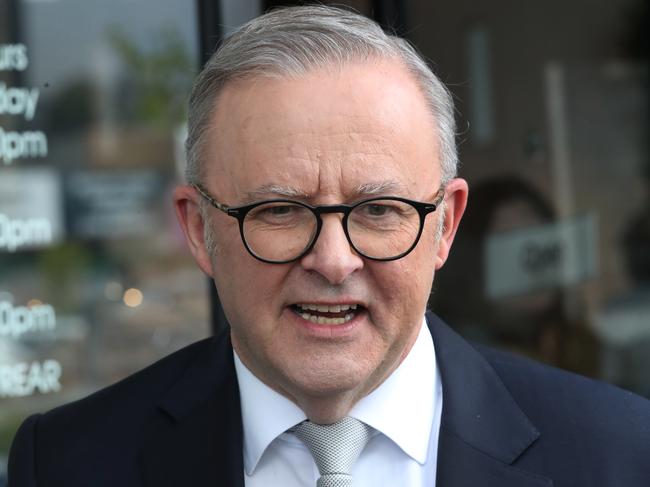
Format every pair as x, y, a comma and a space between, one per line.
324, 314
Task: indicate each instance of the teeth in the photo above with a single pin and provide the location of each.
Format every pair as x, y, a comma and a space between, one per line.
304, 309
322, 320
324, 308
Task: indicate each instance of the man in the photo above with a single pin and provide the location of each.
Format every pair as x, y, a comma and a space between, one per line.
322, 199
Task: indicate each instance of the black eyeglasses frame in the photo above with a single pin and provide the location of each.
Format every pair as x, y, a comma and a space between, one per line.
240, 212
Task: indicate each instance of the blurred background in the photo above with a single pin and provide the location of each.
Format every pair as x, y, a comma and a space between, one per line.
552, 260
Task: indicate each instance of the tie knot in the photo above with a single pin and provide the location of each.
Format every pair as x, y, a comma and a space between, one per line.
335, 447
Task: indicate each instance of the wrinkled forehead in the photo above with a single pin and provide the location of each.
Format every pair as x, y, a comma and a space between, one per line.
365, 123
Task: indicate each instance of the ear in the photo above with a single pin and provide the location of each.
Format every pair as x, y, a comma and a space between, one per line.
455, 202
186, 204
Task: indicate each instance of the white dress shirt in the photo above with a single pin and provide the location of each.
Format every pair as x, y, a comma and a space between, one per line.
404, 412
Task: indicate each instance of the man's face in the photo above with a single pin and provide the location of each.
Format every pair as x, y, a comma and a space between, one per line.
331, 136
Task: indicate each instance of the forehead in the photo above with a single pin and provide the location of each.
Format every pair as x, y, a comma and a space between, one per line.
329, 131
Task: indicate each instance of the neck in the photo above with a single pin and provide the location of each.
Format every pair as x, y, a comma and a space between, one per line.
326, 410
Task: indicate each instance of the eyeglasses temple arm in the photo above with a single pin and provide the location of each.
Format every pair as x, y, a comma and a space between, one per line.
210, 199
440, 195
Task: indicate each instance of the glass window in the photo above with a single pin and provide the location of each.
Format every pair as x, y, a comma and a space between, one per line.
95, 280
552, 259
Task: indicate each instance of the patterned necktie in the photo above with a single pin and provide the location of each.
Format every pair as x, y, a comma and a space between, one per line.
335, 447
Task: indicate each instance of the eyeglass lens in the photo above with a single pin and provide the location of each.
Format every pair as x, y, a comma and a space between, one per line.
379, 229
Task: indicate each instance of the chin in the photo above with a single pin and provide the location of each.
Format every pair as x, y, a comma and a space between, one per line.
331, 379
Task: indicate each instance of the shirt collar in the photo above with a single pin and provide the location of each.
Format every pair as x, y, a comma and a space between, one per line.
402, 407
264, 424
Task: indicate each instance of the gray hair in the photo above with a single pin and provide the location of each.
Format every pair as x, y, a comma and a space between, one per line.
292, 41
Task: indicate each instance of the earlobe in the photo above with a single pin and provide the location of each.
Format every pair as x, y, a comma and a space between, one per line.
455, 203
188, 212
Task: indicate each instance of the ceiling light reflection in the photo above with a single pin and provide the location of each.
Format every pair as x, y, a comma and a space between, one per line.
133, 297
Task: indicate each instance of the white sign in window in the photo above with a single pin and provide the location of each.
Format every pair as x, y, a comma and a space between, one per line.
541, 257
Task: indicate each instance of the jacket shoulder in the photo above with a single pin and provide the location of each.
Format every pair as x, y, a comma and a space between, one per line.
543, 383
138, 390
585, 420
102, 434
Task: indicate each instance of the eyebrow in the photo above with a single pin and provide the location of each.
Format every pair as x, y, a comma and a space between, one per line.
364, 189
278, 190
381, 188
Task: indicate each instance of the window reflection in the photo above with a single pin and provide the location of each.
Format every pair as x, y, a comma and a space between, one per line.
92, 98
561, 121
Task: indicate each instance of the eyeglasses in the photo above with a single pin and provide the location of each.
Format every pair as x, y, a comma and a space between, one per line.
279, 231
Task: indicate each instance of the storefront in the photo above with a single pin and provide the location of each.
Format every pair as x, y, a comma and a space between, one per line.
95, 282
552, 260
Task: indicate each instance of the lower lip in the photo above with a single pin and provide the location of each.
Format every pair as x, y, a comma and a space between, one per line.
328, 331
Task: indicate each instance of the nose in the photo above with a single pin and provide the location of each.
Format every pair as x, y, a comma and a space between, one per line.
332, 256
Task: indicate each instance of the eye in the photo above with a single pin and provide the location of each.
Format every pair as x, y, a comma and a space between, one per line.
280, 210
383, 213
276, 210
377, 209
278, 213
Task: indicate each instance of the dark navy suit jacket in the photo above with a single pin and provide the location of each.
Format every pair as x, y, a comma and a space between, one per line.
506, 422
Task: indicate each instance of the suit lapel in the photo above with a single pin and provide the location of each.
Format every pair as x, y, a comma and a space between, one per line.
483, 431
196, 437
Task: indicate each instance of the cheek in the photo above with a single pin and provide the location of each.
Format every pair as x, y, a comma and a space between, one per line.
404, 286
410, 280
232, 271
249, 290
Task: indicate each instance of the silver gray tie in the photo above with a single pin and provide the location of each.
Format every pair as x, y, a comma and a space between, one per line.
335, 447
